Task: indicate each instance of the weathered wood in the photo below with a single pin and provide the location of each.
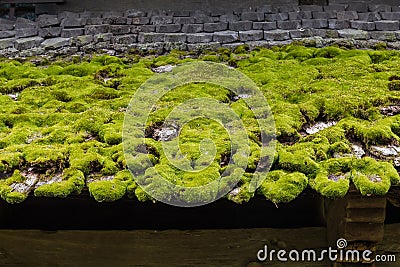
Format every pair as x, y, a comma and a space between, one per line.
146, 248
358, 219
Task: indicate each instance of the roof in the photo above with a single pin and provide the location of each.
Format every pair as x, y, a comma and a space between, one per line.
335, 113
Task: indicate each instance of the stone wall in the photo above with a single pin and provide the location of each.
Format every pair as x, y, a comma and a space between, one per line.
117, 31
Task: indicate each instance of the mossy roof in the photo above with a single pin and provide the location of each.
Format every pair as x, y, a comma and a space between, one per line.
335, 110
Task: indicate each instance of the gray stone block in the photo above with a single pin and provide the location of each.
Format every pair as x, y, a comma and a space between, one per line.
183, 20
240, 26
48, 20
55, 43
347, 15
120, 29
6, 25
396, 8
330, 33
387, 25
390, 15
335, 7
379, 8
6, 34
150, 37
336, 24
6, 43
282, 16
315, 23
161, 20
229, 18
324, 15
203, 19
192, 28
369, 16
140, 21
146, 28
353, 34
102, 37
184, 13
215, 27
266, 26
168, 28
73, 22
134, 13
311, 8
362, 25
175, 37
124, 39
288, 8
357, 6
300, 15
225, 37
276, 35
94, 21
253, 35
301, 33
27, 43
269, 9
68, 14
90, 14
95, 29
383, 36
115, 20
68, 33
252, 16
271, 17
199, 47
22, 23
82, 40
289, 24
27, 32
112, 14
199, 37
50, 32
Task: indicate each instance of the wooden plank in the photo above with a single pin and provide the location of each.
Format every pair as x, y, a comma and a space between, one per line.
374, 215
146, 248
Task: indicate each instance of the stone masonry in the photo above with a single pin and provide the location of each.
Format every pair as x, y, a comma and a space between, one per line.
162, 30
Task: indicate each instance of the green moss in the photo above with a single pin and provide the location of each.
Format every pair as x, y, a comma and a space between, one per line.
283, 187
69, 114
333, 178
373, 178
73, 181
297, 161
6, 191
107, 191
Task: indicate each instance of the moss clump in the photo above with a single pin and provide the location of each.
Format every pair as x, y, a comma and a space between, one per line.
73, 181
372, 177
333, 178
297, 161
281, 186
6, 191
115, 189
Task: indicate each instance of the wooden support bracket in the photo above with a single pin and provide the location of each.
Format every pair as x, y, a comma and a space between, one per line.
357, 219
